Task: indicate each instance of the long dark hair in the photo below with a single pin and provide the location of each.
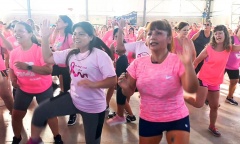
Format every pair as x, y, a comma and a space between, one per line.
95, 43
68, 29
29, 30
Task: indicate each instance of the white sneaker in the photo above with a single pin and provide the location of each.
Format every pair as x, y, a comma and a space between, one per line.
116, 120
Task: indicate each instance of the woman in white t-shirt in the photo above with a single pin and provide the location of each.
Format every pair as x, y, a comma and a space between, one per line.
91, 70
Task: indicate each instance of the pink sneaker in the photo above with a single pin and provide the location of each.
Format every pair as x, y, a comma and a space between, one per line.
116, 120
39, 141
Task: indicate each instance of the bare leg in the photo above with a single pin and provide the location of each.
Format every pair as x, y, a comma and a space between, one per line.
53, 124
17, 117
232, 87
6, 95
213, 99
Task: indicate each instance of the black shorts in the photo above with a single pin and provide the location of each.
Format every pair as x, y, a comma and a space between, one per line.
4, 73
149, 129
232, 74
23, 100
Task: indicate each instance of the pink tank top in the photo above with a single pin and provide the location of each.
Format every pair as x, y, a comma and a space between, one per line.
177, 45
214, 65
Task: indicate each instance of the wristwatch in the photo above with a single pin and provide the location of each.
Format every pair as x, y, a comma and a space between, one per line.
29, 67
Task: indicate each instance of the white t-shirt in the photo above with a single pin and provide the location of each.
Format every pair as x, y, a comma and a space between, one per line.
139, 48
95, 67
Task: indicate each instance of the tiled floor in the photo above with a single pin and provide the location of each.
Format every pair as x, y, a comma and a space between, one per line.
228, 123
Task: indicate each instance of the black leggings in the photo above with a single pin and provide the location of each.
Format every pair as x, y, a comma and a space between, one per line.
63, 105
64, 71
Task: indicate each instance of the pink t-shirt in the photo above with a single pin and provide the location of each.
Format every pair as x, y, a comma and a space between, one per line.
2, 64
160, 88
95, 67
139, 48
13, 41
29, 81
59, 45
108, 38
234, 58
213, 68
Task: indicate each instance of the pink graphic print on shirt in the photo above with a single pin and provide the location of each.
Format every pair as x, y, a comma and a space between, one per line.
76, 74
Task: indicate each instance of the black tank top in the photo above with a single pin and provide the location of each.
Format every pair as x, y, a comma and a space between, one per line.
201, 42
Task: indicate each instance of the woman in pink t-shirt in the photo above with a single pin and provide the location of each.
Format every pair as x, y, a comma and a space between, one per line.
232, 69
5, 88
160, 79
61, 40
91, 70
215, 56
182, 31
31, 77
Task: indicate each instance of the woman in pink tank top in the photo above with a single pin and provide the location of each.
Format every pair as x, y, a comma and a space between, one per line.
182, 29
215, 56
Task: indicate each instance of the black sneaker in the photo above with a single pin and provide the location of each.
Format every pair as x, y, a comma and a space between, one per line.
231, 101
55, 86
58, 139
111, 115
130, 118
16, 140
72, 119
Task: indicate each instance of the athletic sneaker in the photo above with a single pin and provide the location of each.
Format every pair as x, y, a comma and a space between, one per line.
39, 141
58, 139
231, 101
72, 119
116, 120
130, 118
16, 140
214, 131
111, 115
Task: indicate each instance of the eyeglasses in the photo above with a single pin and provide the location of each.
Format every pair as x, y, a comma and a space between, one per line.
206, 24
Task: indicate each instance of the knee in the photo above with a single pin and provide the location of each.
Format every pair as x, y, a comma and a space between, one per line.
214, 107
18, 115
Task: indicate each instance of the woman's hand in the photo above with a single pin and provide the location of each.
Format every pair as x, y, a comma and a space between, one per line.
122, 81
45, 29
21, 65
186, 55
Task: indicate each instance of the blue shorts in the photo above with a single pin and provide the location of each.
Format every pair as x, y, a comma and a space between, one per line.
149, 129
